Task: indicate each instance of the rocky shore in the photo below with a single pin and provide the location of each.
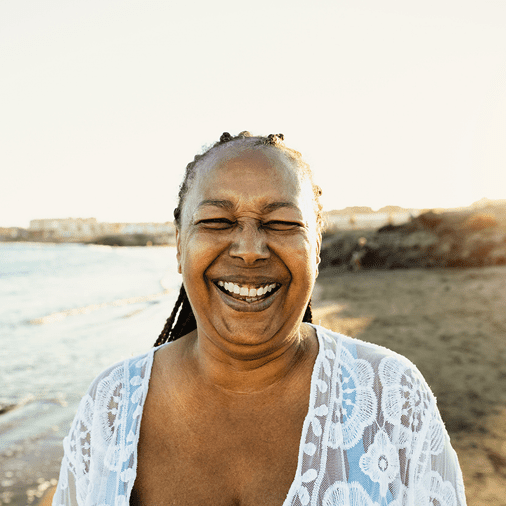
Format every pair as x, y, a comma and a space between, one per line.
464, 238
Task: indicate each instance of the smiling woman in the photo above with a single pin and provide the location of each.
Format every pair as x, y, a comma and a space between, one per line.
282, 218
243, 400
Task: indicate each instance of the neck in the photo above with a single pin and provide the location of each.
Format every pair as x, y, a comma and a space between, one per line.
252, 372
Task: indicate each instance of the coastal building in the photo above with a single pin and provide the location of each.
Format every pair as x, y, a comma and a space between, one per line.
89, 230
63, 228
148, 228
12, 233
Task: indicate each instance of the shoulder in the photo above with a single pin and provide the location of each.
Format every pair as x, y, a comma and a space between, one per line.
115, 395
391, 372
105, 429
127, 371
112, 394
386, 383
372, 353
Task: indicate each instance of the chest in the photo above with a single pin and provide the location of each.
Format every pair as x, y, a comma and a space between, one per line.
221, 455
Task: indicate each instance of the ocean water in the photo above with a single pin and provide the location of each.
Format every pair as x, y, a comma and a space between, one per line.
67, 311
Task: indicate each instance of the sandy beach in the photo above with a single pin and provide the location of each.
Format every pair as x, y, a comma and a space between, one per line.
452, 324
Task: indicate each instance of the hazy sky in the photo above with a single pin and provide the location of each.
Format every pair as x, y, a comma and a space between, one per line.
103, 103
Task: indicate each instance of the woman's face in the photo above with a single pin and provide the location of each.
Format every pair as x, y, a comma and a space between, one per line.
248, 247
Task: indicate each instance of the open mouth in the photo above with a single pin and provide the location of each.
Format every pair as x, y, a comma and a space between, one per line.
248, 293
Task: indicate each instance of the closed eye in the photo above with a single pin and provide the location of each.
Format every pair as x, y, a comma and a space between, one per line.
281, 225
274, 225
217, 223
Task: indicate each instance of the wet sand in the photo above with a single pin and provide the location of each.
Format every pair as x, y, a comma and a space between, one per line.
29, 466
452, 324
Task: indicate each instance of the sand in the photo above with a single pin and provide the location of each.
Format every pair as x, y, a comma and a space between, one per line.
452, 324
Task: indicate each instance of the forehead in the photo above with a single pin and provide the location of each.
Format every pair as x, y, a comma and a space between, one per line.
249, 174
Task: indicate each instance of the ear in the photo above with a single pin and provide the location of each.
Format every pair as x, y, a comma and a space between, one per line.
178, 250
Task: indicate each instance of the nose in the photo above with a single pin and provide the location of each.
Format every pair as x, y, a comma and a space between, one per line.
249, 244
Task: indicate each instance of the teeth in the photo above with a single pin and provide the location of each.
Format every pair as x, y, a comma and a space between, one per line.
244, 291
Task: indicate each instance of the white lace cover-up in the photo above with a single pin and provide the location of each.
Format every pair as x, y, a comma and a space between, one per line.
372, 436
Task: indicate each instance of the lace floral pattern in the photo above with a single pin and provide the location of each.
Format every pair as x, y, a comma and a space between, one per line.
372, 435
381, 462
406, 398
100, 458
345, 494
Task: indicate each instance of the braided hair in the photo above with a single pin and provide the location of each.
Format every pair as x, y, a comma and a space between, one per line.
182, 320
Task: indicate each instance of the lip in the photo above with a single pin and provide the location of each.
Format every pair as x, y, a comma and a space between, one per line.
247, 307
251, 281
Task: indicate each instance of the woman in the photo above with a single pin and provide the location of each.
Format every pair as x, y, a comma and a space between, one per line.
248, 403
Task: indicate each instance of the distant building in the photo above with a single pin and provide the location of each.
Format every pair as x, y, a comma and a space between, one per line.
12, 233
64, 228
148, 228
89, 229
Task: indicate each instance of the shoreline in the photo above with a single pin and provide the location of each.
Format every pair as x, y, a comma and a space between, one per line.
94, 306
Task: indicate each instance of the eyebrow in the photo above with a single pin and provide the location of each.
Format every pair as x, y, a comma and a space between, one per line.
224, 204
228, 205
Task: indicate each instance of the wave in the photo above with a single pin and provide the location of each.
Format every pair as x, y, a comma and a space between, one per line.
60, 315
5, 408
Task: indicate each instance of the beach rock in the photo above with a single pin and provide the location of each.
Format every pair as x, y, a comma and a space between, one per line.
466, 238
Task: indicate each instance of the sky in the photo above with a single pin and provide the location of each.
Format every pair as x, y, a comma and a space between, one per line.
103, 103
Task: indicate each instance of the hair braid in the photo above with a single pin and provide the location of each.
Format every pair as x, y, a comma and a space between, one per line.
308, 315
172, 331
185, 322
273, 139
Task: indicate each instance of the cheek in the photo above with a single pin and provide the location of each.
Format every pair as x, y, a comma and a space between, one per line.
198, 253
299, 256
